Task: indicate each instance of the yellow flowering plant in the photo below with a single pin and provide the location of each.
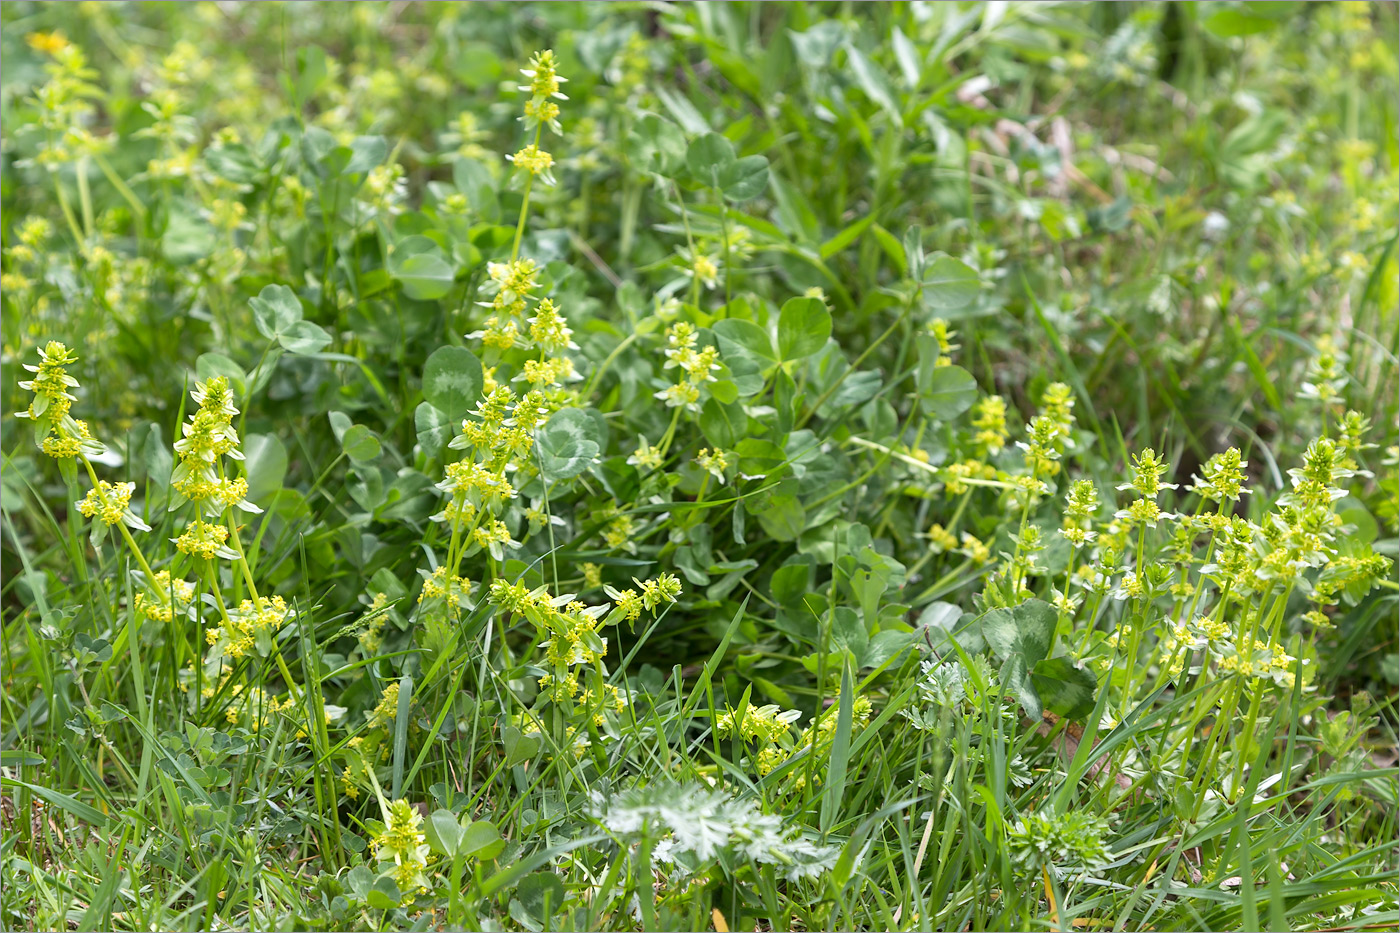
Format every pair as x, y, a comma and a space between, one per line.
774, 483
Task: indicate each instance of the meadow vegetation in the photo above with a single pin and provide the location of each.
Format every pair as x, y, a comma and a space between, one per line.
718, 466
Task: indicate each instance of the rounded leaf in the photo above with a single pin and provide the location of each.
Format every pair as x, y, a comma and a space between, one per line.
804, 326
949, 284
951, 391
359, 443
452, 381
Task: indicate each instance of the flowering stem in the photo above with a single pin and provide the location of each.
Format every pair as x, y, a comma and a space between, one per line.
524, 205
242, 557
121, 526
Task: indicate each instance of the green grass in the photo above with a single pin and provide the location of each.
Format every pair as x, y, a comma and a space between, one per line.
958, 489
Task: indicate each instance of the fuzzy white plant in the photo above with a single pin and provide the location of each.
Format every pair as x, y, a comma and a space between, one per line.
694, 821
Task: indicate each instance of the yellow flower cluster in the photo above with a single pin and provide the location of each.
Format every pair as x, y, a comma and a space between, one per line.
401, 848
770, 727
540, 111
209, 435
250, 627
110, 503
253, 707
440, 585
164, 597
938, 329
763, 724
697, 366
57, 433
573, 627
956, 474
714, 462
204, 539
989, 418
386, 710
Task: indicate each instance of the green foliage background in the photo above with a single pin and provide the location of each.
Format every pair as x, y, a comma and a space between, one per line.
1178, 212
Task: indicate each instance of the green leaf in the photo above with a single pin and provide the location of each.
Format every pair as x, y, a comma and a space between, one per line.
275, 310
744, 179
474, 180
518, 746
542, 894
359, 443
748, 352
422, 268
311, 72
1020, 637
567, 444
402, 718
840, 752
443, 832
188, 237
874, 82
1025, 630
216, 364
340, 423
433, 426
723, 425
303, 337
914, 251
708, 155
481, 839
265, 459
1228, 23
784, 518
452, 381
1064, 688
656, 145
384, 895
759, 457
790, 583
804, 327
747, 336
72, 805
950, 391
950, 284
